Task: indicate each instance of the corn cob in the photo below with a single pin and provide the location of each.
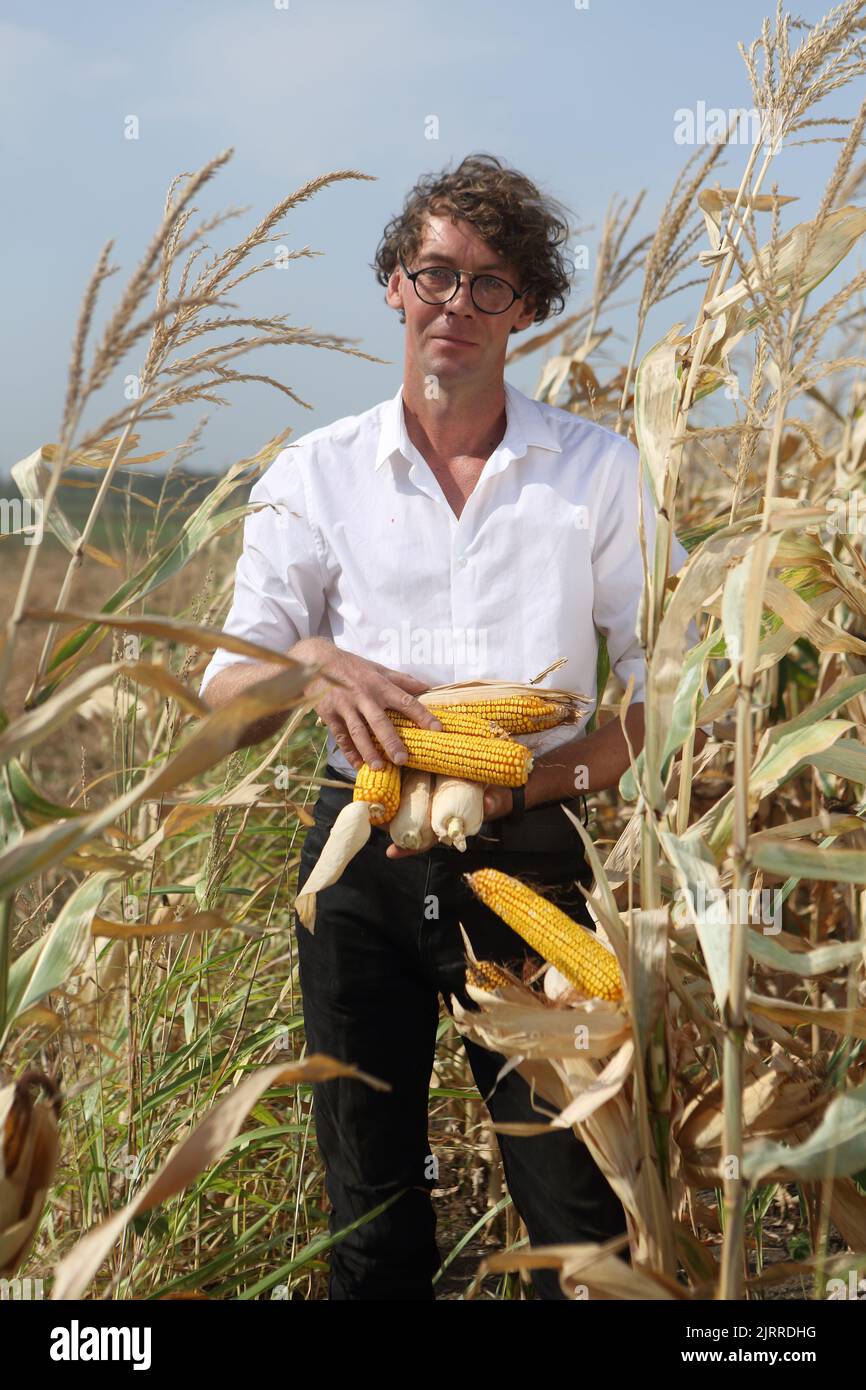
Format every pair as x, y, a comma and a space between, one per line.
575, 951
380, 790
347, 836
29, 1150
410, 827
501, 762
456, 810
455, 719
486, 974
516, 714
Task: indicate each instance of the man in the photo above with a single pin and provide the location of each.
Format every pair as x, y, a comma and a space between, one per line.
460, 530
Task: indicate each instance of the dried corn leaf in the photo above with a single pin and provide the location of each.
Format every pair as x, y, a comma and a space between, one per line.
842, 1021
47, 964
811, 862
38, 724
201, 1147
713, 201
170, 629
29, 1150
698, 879
589, 1270
216, 735
185, 926
773, 1101
848, 1212
465, 692
841, 229
837, 1145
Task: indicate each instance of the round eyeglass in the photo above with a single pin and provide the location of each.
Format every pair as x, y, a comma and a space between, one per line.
440, 284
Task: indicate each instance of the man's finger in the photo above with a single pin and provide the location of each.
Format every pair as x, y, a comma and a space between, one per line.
343, 741
385, 732
362, 742
396, 852
405, 681
498, 801
414, 710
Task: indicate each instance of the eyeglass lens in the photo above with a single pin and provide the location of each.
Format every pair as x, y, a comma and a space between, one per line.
489, 293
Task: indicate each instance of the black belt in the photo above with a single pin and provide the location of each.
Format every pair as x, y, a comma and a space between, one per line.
542, 829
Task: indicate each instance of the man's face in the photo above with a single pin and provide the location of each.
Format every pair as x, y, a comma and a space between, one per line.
456, 341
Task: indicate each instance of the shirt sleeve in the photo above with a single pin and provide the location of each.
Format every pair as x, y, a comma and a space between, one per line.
617, 569
279, 592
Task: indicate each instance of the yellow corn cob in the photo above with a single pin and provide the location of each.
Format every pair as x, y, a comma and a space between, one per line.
486, 974
381, 791
516, 714
575, 951
502, 762
455, 719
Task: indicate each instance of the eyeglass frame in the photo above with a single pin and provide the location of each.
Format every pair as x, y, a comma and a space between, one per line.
480, 275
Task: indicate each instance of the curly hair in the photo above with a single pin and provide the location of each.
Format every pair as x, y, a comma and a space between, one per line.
507, 211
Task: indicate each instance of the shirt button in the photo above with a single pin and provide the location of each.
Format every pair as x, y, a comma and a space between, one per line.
461, 563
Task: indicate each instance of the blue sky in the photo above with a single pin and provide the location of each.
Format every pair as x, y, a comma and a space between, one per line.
581, 100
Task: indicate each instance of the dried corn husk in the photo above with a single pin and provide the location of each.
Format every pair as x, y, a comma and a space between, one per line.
411, 827
464, 692
457, 810
29, 1149
349, 833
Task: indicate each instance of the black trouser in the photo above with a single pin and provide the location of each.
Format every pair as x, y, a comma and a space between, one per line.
386, 943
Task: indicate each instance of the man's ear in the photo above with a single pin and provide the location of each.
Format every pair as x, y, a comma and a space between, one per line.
393, 294
526, 317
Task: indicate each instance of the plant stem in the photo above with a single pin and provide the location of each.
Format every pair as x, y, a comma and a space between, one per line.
76, 559
5, 952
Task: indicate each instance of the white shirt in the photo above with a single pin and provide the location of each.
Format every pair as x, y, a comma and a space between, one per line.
367, 552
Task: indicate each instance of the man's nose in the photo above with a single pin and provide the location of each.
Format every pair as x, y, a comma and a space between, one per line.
463, 298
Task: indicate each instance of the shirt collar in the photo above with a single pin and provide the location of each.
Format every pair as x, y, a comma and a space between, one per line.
526, 426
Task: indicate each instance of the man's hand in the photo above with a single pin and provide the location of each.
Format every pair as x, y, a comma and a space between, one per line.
356, 710
498, 801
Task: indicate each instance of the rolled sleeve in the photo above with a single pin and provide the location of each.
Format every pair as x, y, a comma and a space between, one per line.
279, 591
